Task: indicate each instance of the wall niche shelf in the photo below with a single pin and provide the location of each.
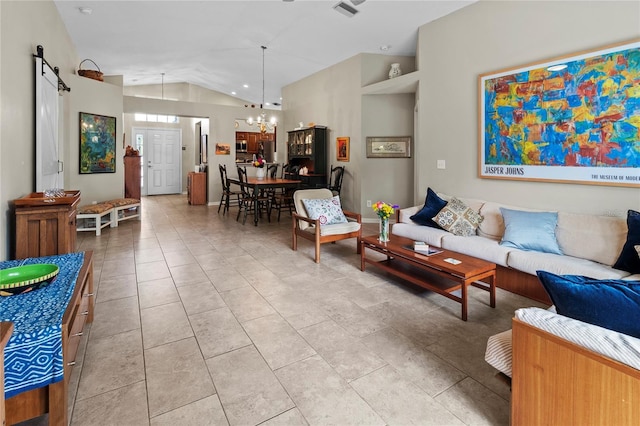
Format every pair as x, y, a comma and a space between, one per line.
406, 83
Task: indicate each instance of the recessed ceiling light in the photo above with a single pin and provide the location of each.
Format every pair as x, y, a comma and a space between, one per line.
246, 86
385, 47
233, 93
557, 67
267, 103
85, 10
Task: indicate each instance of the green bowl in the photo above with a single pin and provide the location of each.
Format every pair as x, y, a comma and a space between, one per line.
22, 279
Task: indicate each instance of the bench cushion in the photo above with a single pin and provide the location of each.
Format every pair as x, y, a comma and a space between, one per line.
95, 208
119, 202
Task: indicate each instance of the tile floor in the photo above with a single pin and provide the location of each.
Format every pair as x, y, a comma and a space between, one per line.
203, 321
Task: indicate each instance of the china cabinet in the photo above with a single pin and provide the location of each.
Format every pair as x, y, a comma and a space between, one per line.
307, 147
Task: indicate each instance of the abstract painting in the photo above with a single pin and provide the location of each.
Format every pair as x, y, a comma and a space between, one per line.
571, 119
97, 143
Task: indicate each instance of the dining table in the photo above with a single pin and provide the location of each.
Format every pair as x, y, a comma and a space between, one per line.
261, 184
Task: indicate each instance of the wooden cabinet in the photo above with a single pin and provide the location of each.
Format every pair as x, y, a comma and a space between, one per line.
132, 177
53, 398
197, 188
308, 148
241, 136
46, 228
252, 142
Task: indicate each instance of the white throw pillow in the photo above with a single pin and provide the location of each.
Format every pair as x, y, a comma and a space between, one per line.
327, 210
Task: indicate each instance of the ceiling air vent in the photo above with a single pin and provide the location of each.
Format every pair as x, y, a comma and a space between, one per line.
345, 9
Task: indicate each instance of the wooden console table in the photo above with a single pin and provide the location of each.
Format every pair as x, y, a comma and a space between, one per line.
25, 401
432, 272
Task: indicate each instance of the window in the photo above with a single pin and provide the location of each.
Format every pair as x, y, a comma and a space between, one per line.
156, 118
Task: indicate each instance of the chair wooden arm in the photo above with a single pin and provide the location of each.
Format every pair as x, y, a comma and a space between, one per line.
353, 215
297, 217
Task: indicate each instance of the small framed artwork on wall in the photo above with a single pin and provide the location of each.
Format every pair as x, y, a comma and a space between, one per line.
342, 148
389, 147
97, 143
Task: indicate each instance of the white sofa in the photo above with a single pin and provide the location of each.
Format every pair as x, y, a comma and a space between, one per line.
590, 245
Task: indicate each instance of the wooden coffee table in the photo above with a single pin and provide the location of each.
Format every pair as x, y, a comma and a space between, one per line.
432, 272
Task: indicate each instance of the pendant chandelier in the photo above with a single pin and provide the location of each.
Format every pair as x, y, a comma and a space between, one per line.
262, 123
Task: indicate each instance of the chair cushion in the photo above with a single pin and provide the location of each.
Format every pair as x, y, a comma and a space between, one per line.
336, 229
612, 304
499, 352
432, 205
327, 211
530, 230
308, 194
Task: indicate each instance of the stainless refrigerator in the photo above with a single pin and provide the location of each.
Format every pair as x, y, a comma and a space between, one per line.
267, 149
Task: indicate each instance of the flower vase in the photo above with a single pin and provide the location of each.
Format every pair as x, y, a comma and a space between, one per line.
383, 237
395, 71
260, 173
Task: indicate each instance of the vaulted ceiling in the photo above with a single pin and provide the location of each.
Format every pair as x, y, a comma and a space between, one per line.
217, 44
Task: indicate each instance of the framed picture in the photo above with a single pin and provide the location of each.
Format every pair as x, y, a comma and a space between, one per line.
223, 149
97, 143
342, 148
572, 119
389, 146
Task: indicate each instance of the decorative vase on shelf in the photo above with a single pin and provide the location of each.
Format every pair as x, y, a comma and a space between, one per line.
395, 71
260, 173
383, 236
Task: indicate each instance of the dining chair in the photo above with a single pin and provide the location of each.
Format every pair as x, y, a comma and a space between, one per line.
335, 179
249, 197
227, 193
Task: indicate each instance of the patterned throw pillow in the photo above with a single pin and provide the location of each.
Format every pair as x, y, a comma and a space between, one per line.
327, 210
458, 218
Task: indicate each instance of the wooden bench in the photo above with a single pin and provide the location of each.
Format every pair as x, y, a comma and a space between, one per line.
94, 217
123, 209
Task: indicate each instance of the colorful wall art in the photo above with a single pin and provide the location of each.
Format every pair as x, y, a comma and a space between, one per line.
97, 143
571, 119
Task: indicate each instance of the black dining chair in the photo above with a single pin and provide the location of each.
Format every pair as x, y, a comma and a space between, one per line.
228, 195
335, 179
249, 197
284, 198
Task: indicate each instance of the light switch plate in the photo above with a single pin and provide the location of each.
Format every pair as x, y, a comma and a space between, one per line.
442, 164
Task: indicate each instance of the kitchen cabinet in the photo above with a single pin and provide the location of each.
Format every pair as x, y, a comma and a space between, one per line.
241, 136
307, 147
46, 226
197, 188
253, 144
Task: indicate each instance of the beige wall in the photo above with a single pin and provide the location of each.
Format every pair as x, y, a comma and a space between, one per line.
332, 97
183, 92
24, 25
492, 35
101, 98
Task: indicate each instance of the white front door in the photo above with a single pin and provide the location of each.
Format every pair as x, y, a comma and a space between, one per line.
162, 160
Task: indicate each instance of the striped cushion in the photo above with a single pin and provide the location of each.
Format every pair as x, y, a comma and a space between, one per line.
95, 208
498, 353
618, 346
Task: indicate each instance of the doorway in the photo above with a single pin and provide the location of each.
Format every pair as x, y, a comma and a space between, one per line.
161, 161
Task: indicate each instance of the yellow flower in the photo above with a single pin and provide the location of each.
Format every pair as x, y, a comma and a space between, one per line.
384, 210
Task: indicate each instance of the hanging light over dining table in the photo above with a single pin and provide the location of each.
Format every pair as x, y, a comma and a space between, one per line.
261, 121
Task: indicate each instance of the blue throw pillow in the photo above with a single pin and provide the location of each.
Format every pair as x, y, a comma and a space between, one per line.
629, 260
534, 231
612, 304
432, 205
